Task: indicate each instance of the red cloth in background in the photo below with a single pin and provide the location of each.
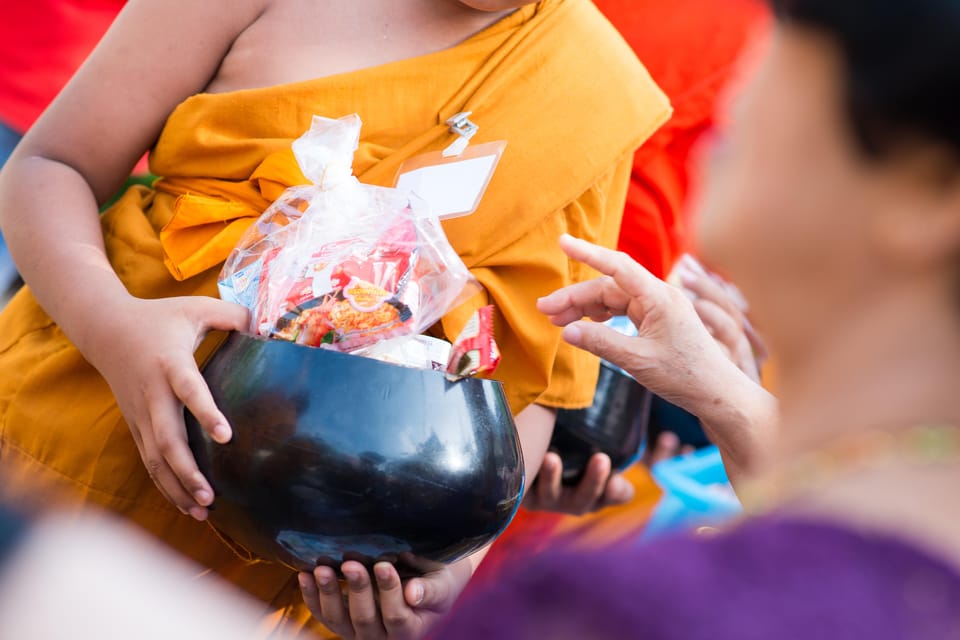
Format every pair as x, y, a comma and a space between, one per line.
690, 48
42, 44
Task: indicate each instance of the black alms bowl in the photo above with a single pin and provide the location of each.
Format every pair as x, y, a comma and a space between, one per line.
339, 457
616, 424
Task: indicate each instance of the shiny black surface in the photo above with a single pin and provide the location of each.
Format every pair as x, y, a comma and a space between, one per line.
616, 424
340, 457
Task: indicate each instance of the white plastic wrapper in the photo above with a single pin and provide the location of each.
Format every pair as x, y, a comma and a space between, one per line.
340, 264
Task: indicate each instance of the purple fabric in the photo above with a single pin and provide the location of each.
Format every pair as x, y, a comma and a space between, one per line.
771, 579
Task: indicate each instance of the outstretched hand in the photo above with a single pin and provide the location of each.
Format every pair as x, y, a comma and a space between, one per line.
674, 353
146, 356
724, 312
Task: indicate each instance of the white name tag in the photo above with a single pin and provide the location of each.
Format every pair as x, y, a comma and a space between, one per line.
453, 187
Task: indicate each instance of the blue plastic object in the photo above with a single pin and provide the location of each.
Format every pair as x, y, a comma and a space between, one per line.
691, 494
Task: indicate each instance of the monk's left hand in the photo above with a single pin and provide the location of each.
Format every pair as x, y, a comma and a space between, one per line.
406, 611
600, 487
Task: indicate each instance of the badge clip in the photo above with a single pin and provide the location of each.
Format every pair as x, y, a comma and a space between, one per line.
465, 129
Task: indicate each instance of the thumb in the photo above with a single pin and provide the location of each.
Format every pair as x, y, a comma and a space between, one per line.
222, 315
427, 592
602, 341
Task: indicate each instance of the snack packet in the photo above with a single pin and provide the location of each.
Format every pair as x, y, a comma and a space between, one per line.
475, 351
339, 264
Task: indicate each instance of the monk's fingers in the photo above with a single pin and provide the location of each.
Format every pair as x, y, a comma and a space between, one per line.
181, 501
364, 613
635, 281
326, 602
548, 488
165, 441
618, 491
165, 479
311, 593
598, 299
191, 389
585, 497
212, 313
399, 619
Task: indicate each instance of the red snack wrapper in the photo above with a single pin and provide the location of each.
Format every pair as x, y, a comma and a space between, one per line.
348, 294
475, 351
339, 264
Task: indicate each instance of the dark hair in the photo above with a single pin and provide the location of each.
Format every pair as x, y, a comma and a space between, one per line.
902, 63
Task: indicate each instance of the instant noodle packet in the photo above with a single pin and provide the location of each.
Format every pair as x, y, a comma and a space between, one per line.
339, 264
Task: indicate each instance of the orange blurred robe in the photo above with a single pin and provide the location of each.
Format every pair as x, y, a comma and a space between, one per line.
692, 49
572, 114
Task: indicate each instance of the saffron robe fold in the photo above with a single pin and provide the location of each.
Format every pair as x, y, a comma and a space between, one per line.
553, 79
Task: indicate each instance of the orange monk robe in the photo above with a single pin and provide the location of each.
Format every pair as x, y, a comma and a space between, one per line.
572, 115
691, 48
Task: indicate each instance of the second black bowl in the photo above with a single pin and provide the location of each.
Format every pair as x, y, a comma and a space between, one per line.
616, 424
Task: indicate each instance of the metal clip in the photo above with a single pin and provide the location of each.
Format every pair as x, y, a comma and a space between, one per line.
465, 129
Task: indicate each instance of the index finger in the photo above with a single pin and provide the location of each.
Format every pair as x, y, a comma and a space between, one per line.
191, 389
635, 281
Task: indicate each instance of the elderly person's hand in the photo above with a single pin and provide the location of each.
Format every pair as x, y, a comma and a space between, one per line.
723, 311
674, 354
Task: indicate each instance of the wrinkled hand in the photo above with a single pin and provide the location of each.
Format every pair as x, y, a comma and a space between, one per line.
406, 611
600, 487
724, 313
145, 353
674, 355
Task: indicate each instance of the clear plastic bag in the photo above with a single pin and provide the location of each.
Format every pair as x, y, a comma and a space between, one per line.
340, 264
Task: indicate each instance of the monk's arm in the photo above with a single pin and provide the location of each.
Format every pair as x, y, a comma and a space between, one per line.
80, 151
85, 145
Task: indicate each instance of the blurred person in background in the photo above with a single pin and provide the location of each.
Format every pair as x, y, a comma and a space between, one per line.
835, 204
88, 567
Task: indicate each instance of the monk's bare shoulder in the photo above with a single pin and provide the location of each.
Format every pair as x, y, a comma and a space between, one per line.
157, 53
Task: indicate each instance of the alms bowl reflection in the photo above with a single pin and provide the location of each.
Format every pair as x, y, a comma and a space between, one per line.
340, 457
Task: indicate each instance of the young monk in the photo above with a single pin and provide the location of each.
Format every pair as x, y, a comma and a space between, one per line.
97, 357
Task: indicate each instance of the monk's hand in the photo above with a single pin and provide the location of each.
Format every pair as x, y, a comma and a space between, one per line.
674, 355
406, 611
599, 487
144, 350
